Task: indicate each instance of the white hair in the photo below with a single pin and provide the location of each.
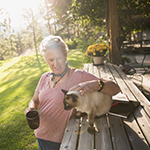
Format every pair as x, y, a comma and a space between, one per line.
51, 43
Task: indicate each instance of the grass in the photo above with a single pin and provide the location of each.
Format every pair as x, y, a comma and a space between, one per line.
18, 80
5, 61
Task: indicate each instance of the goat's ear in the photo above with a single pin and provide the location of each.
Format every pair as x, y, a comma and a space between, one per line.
64, 91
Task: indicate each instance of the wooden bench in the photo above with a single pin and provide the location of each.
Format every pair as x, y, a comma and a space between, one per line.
115, 133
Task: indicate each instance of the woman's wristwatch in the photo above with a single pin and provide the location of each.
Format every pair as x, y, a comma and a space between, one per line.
101, 84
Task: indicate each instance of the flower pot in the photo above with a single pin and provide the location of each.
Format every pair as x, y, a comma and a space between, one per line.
98, 60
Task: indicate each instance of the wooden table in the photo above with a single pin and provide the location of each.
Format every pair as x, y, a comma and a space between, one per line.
115, 133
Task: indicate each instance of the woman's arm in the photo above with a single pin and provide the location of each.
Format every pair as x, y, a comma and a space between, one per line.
109, 88
34, 103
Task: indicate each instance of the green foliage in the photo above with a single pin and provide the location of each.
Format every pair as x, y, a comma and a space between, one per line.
71, 19
87, 37
19, 79
8, 40
106, 57
93, 10
91, 36
76, 58
33, 27
133, 16
13, 44
74, 17
83, 19
72, 44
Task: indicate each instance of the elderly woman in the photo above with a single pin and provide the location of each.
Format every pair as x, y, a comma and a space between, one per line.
48, 96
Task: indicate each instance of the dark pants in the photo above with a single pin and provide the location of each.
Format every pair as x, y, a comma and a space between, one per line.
47, 145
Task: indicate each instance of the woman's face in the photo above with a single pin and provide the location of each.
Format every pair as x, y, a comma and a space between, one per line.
56, 60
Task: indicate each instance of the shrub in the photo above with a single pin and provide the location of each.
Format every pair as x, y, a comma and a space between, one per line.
72, 44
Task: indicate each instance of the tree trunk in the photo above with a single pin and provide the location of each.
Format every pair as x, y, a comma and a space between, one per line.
48, 21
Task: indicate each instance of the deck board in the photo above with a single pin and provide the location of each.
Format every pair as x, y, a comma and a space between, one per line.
86, 140
103, 139
71, 135
117, 132
136, 92
143, 123
135, 135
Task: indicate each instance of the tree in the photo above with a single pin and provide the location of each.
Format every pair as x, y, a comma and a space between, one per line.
133, 16
8, 39
33, 28
96, 12
48, 16
58, 20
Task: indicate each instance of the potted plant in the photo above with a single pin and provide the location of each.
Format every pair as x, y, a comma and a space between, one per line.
97, 51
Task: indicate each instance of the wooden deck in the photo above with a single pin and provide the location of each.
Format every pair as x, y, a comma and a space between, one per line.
115, 133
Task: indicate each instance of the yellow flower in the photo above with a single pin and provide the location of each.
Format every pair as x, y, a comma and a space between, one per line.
97, 49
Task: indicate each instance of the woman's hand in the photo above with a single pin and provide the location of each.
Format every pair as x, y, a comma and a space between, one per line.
85, 87
109, 88
29, 109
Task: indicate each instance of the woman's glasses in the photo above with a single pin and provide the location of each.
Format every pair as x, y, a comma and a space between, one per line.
47, 41
55, 39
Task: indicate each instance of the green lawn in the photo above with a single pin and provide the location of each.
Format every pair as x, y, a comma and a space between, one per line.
18, 79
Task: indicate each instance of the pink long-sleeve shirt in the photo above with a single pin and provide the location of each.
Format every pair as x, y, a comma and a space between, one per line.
53, 117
